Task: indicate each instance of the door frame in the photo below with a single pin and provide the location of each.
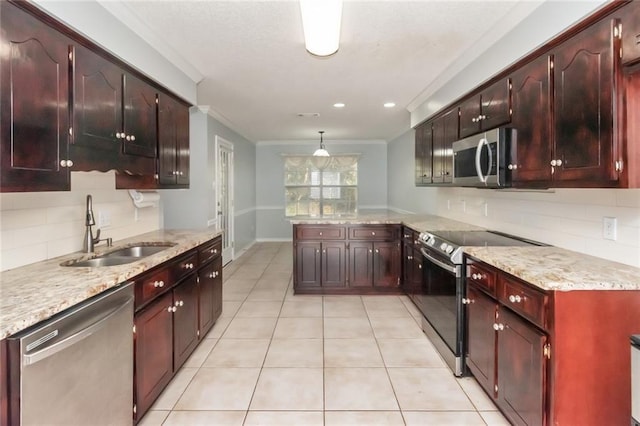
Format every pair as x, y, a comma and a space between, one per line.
221, 142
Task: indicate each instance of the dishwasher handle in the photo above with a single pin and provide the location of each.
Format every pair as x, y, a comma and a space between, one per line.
66, 341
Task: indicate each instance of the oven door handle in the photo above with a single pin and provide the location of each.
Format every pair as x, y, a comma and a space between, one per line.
452, 269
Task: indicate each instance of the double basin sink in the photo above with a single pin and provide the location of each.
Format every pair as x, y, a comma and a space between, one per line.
121, 256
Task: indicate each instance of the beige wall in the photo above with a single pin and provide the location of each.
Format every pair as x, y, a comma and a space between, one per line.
37, 226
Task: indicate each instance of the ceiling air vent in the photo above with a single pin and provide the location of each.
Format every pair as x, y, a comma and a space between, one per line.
308, 114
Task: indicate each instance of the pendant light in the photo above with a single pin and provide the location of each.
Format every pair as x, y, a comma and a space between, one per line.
321, 152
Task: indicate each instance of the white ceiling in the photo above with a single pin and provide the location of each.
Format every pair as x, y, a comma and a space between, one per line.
255, 74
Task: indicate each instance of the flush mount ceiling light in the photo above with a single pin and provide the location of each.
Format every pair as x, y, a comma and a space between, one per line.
321, 152
321, 25
339, 105
389, 104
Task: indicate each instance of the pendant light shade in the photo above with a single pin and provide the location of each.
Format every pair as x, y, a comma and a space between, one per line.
321, 24
321, 152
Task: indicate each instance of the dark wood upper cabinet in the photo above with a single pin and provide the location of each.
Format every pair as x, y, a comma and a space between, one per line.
531, 96
140, 117
34, 70
585, 77
424, 154
173, 142
97, 111
445, 133
630, 19
487, 110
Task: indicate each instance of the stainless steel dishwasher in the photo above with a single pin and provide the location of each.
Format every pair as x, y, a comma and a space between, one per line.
77, 367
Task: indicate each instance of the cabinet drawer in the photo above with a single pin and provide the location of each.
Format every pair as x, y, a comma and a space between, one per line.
183, 266
485, 278
630, 15
148, 286
410, 237
209, 250
524, 300
373, 232
320, 232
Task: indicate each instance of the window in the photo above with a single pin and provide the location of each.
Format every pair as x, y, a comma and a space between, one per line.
321, 186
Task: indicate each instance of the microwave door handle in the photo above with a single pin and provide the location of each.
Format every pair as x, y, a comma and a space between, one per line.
482, 178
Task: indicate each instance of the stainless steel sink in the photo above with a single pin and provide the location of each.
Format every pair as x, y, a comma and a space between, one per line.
137, 251
120, 256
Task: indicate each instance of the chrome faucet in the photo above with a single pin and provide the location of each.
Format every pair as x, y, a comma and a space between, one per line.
89, 240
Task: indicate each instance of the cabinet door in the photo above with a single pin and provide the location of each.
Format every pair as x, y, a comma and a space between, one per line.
445, 132
34, 75
481, 351
584, 72
521, 370
407, 267
97, 102
167, 140
210, 295
334, 264
495, 109
532, 120
630, 16
423, 154
308, 264
153, 351
140, 117
185, 320
386, 264
469, 114
360, 264
182, 144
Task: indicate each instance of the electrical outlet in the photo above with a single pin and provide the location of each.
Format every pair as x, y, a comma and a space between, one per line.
610, 228
104, 219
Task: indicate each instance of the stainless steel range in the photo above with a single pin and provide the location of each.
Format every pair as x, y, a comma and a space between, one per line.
441, 296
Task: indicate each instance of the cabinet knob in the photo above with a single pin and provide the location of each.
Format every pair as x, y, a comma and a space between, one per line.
370, 251
498, 326
420, 266
128, 137
171, 309
556, 163
324, 250
373, 233
377, 251
317, 250
179, 303
515, 298
409, 257
188, 266
474, 120
512, 167
158, 284
119, 135
466, 301
320, 233
133, 138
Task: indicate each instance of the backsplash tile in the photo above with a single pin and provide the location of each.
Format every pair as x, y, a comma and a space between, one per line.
567, 218
36, 226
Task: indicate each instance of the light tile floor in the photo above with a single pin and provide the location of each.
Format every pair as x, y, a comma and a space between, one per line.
278, 359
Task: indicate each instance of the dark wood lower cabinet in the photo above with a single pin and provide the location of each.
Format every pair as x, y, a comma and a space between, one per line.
185, 320
153, 351
481, 346
338, 259
177, 304
521, 370
210, 295
551, 357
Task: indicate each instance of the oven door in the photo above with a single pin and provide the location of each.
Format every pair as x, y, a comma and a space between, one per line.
440, 301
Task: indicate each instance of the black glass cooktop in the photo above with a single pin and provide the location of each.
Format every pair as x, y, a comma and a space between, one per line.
483, 238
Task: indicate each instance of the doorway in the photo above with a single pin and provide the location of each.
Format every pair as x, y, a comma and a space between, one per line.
224, 196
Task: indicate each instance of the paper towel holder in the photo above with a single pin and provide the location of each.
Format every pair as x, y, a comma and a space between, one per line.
144, 199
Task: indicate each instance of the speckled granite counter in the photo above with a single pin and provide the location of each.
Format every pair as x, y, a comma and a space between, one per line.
553, 268
35, 292
418, 222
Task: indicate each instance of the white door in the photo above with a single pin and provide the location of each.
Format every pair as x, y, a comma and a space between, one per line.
224, 195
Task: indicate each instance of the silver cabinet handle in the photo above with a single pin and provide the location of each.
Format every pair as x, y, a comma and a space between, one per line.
370, 251
498, 327
320, 233
515, 299
373, 233
188, 266
158, 284
179, 303
133, 138
119, 135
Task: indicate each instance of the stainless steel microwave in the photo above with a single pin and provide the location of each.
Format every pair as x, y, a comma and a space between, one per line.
481, 160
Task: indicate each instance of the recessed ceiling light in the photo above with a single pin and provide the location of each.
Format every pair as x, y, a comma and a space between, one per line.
389, 104
338, 105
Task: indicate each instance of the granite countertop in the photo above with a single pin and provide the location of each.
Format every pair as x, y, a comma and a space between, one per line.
35, 292
554, 268
418, 222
